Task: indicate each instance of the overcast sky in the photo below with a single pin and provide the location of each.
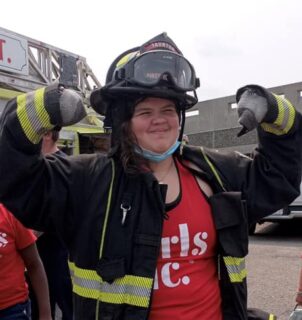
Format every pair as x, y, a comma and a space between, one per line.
230, 42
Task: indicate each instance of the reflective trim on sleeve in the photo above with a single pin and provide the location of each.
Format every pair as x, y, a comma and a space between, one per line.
131, 290
235, 268
32, 115
285, 119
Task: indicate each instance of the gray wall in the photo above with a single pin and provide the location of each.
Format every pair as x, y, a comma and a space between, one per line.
2, 105
216, 125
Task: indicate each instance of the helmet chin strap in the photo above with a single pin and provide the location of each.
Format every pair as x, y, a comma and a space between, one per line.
182, 124
157, 157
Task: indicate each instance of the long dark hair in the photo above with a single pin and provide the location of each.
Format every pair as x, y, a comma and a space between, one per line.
132, 162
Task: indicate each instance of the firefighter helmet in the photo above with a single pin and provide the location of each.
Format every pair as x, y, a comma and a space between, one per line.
157, 69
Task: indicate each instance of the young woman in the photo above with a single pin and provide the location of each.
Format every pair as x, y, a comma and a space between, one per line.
156, 229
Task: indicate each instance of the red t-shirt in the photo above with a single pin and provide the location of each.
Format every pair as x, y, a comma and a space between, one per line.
186, 283
13, 237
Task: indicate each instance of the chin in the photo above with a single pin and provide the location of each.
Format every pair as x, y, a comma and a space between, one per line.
158, 149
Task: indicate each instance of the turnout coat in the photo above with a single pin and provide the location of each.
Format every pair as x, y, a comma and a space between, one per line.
112, 222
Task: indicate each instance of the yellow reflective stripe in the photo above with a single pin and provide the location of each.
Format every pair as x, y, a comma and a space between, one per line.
212, 168
42, 114
285, 118
85, 293
125, 59
236, 268
126, 299
130, 289
23, 119
107, 209
135, 281
287, 112
271, 317
86, 274
32, 115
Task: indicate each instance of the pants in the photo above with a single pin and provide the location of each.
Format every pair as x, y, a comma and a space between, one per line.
19, 311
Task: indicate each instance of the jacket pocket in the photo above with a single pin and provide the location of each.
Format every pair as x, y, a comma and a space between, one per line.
230, 217
111, 269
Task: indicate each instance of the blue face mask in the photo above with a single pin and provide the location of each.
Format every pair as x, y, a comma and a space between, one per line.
157, 157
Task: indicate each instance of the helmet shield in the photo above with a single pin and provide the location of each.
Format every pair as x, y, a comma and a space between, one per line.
159, 68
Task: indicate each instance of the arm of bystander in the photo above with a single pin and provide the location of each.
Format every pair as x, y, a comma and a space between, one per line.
38, 280
299, 291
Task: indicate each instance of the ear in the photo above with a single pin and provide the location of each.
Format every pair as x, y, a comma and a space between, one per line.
47, 135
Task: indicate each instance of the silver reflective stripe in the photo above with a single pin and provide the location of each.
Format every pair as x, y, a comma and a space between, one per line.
111, 288
125, 289
31, 109
235, 268
87, 283
32, 115
130, 289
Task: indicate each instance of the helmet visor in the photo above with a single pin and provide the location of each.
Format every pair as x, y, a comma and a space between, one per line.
155, 67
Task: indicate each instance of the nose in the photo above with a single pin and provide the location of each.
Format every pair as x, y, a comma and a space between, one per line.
158, 119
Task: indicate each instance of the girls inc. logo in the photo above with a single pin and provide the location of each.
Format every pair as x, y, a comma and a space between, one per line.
198, 247
3, 240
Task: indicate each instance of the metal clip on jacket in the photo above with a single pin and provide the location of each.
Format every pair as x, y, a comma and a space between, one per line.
125, 209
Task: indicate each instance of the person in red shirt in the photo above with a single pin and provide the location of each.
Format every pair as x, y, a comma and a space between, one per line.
299, 291
18, 252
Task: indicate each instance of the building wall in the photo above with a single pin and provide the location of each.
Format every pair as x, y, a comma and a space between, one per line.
2, 105
216, 125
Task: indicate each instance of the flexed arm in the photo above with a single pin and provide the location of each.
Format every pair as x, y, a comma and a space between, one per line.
27, 182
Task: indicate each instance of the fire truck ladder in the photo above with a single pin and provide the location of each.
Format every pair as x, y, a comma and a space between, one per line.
48, 64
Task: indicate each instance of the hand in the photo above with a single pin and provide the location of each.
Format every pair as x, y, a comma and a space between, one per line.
71, 107
252, 109
67, 102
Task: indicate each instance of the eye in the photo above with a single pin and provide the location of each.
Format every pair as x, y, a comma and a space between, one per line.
142, 113
169, 110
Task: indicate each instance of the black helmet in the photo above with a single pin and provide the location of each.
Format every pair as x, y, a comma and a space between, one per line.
157, 68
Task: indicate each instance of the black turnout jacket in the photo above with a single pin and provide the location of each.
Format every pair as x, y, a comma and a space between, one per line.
84, 198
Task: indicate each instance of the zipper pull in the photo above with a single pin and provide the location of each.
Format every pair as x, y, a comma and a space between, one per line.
125, 210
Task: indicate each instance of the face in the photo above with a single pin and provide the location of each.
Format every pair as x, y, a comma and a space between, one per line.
155, 124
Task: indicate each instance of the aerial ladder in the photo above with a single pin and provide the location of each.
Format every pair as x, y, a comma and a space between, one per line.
27, 64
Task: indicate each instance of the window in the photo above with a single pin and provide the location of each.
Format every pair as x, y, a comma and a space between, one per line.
192, 113
233, 105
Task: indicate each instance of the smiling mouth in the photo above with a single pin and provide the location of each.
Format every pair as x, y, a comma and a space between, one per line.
159, 131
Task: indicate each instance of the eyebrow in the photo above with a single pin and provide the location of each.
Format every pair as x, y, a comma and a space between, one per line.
168, 105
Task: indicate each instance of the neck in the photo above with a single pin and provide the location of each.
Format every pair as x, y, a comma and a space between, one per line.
49, 150
162, 169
